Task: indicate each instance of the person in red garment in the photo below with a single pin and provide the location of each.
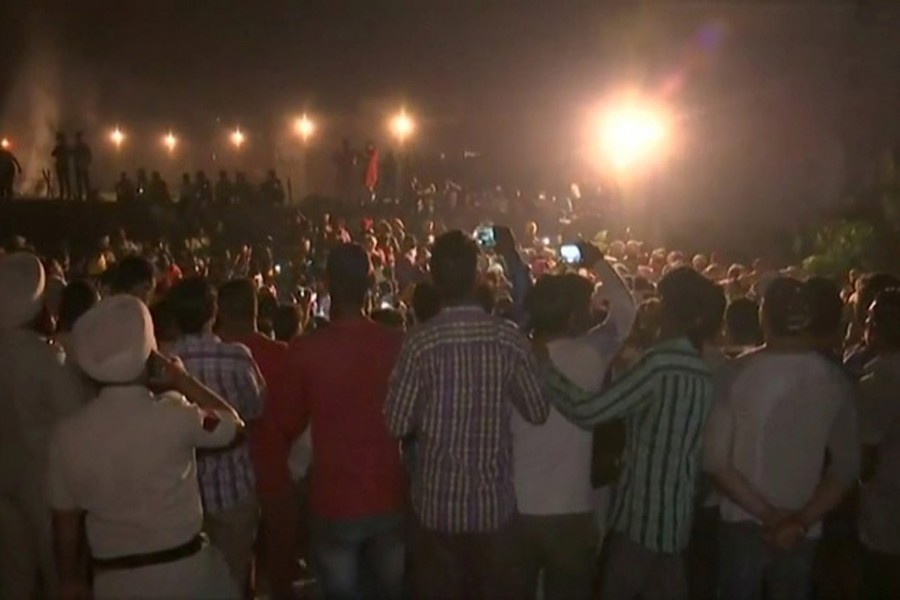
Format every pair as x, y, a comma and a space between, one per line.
335, 381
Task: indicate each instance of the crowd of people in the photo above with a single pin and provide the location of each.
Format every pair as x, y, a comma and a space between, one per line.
394, 408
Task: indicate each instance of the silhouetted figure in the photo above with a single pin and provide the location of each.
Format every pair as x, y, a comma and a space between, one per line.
271, 190
242, 189
62, 155
9, 166
187, 192
158, 190
142, 185
370, 174
125, 191
203, 189
224, 189
82, 158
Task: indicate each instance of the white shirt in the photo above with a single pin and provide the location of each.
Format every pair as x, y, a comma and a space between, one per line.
552, 461
777, 416
127, 460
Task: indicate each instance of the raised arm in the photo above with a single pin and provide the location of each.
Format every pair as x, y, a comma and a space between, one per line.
622, 309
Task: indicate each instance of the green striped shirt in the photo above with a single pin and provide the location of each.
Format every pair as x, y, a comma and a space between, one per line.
664, 400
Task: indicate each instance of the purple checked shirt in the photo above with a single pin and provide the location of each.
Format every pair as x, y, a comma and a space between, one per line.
455, 385
226, 476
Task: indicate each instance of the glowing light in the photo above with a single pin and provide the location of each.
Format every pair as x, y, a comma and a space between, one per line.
629, 134
5, 144
238, 138
305, 127
117, 137
170, 141
402, 126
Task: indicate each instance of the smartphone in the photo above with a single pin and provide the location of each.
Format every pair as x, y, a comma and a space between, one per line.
278, 269
570, 254
484, 235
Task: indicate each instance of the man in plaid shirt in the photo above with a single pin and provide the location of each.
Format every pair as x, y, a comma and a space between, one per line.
227, 481
456, 383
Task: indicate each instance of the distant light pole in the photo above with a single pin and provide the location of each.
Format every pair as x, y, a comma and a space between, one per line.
117, 137
170, 141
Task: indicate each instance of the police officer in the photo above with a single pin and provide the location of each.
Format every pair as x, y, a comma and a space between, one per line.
126, 463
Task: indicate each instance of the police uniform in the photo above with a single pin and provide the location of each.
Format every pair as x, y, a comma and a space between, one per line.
127, 460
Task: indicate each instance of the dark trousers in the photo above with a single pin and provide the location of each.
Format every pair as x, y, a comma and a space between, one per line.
632, 571
464, 565
6, 185
82, 184
880, 576
65, 184
564, 548
702, 555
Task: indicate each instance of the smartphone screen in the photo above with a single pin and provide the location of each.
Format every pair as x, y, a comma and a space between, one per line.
484, 235
570, 254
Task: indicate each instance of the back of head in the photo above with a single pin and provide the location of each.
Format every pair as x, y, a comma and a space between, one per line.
426, 302
192, 302
389, 317
286, 322
742, 323
113, 340
786, 310
131, 274
77, 298
826, 307
349, 274
883, 331
683, 293
22, 283
238, 301
714, 303
548, 306
454, 262
870, 287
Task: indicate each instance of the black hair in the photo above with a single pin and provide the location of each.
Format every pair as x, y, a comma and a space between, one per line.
826, 306
286, 322
548, 306
76, 299
786, 307
193, 304
885, 313
426, 301
454, 261
714, 303
683, 293
237, 300
389, 317
130, 272
348, 271
742, 322
871, 286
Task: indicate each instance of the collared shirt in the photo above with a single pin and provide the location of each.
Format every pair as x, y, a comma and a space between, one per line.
226, 477
36, 392
776, 416
336, 382
664, 399
456, 383
127, 460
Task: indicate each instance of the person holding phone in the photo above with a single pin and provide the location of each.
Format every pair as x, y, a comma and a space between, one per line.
122, 469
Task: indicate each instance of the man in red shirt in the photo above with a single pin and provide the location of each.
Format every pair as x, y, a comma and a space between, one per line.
336, 381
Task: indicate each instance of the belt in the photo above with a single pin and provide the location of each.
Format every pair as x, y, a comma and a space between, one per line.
136, 561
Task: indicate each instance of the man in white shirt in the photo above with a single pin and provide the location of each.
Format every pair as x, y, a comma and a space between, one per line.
552, 462
879, 419
780, 409
36, 391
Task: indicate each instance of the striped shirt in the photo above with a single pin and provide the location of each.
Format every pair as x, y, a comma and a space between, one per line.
226, 476
454, 388
664, 400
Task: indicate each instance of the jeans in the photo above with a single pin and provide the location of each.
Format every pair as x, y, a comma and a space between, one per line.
564, 547
747, 563
360, 558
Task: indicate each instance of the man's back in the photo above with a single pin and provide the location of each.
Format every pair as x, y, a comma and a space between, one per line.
783, 408
455, 385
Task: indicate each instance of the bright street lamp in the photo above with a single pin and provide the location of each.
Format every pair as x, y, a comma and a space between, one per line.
4, 143
402, 126
117, 137
304, 127
238, 138
170, 141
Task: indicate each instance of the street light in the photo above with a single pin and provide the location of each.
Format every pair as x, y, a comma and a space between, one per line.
4, 143
630, 134
117, 137
402, 126
304, 127
170, 141
238, 138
